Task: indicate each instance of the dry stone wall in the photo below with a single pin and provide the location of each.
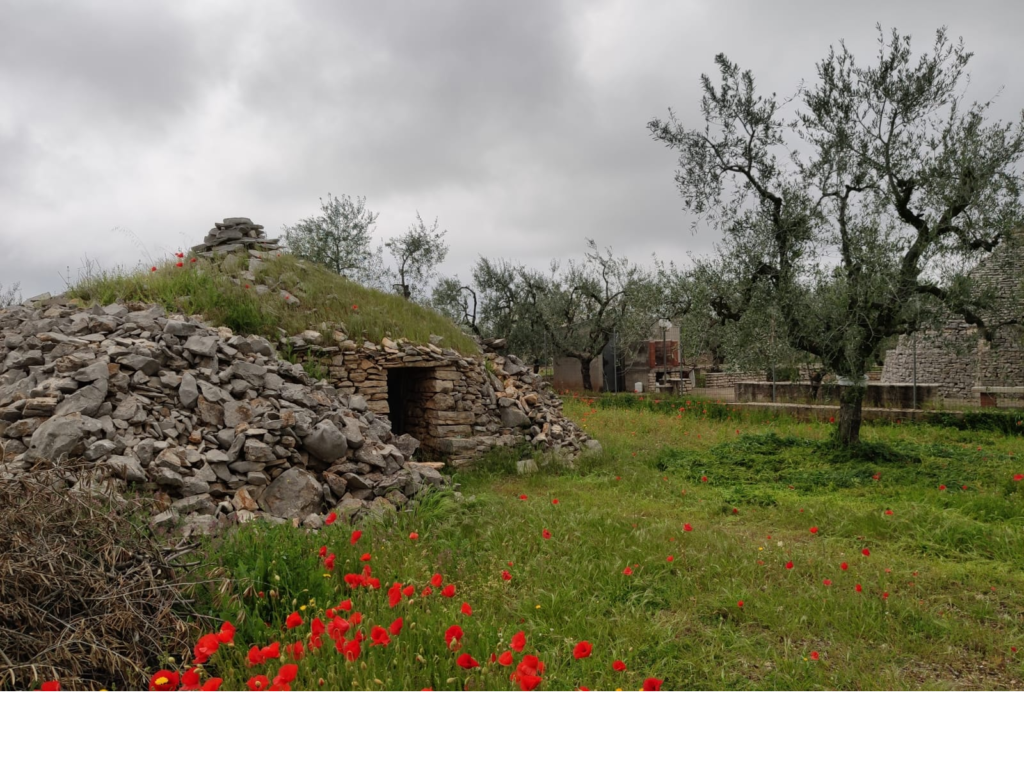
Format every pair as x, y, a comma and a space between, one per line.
957, 358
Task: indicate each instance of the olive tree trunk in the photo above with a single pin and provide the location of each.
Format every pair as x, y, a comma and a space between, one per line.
851, 399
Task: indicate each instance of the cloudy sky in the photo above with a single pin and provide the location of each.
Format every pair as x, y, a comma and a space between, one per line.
520, 126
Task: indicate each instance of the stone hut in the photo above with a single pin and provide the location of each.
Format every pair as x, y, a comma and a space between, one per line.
956, 358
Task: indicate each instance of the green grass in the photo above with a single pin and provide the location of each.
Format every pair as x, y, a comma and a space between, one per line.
203, 288
951, 562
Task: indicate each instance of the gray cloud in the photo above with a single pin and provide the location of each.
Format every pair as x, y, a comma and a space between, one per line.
522, 127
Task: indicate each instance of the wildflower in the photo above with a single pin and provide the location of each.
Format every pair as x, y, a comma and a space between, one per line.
582, 650
942, 487
448, 591
877, 476
293, 620
436, 580
506, 576
316, 627
866, 552
831, 419
413, 536
885, 595
322, 553
518, 642
152, 269
1017, 478
255, 656
652, 684
453, 637
687, 527
331, 517
396, 626
193, 260
528, 673
554, 501
394, 595
619, 665
888, 511
627, 571
827, 582
789, 565
356, 617
329, 562
286, 674
466, 609
354, 579
258, 683
505, 659
345, 605
427, 591
352, 650
669, 558
467, 662
356, 535
213, 684
338, 628
163, 680
858, 588
272, 651
365, 557
179, 264
843, 566
739, 604
814, 656
545, 534
206, 647
814, 529
295, 650
379, 636
409, 591
190, 680
703, 478
54, 685
963, 487
522, 497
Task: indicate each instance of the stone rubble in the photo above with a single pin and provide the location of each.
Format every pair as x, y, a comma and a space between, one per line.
222, 431
238, 233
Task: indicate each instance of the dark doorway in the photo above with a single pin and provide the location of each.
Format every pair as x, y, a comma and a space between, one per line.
405, 399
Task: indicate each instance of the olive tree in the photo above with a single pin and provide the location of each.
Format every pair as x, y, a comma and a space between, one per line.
417, 253
862, 213
340, 238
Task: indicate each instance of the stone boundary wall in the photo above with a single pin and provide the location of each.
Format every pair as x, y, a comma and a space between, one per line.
724, 379
956, 357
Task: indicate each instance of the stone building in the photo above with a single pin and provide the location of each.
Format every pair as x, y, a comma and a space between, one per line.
957, 358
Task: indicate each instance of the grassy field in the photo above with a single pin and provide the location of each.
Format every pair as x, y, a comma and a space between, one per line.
710, 602
203, 287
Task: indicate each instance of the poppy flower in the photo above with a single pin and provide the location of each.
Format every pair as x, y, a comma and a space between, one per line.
942, 487
286, 674
54, 685
466, 609
582, 650
527, 681
394, 595
190, 680
888, 511
627, 571
506, 576
1018, 478
352, 649
206, 647
356, 618
669, 558
652, 684
703, 478
379, 636
179, 264
814, 656
789, 565
365, 557
827, 582
505, 659
814, 529
545, 534
436, 580
316, 627
448, 591
329, 562
396, 626
866, 552
831, 419
467, 662
858, 588
367, 570
522, 497
413, 536
294, 620
554, 501
345, 605
258, 683
528, 673
409, 591
518, 642
739, 603
152, 269
355, 536
619, 666
453, 637
687, 527
843, 566
213, 684
331, 517
295, 650
193, 260
876, 476
427, 591
163, 680
354, 579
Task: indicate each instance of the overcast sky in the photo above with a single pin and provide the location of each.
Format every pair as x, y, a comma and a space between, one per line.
520, 126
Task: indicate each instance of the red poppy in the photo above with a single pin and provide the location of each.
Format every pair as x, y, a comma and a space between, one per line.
843, 566
876, 476
54, 685
670, 558
789, 565
528, 673
466, 609
427, 591
466, 661
831, 419
409, 591
293, 620
453, 637
814, 529
627, 571
354, 579
329, 562
827, 582
704, 478
942, 487
206, 647
179, 264
345, 605
545, 534
352, 650
858, 588
356, 618
652, 684
213, 684
885, 595
295, 650
554, 501
365, 557
436, 580
739, 603
394, 595
518, 642
505, 659
522, 497
687, 527
152, 269
316, 627
866, 552
190, 680
286, 674
379, 636
448, 591
619, 666
888, 511
255, 656
814, 656
396, 626
355, 536
1018, 478
582, 650
258, 683
413, 536
163, 680
331, 517
506, 576
193, 260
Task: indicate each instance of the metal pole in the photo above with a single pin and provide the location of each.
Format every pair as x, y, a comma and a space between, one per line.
915, 370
